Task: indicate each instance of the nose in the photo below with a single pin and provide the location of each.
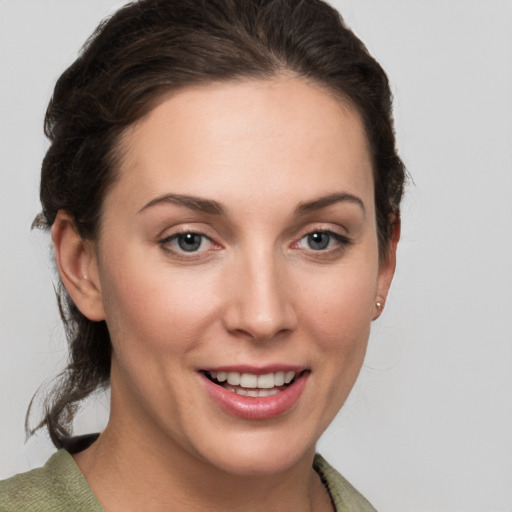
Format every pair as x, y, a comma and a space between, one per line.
259, 305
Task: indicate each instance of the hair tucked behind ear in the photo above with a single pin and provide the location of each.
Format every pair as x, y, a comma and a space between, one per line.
89, 342
151, 47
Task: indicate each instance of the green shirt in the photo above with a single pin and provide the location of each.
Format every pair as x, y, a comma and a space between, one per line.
59, 486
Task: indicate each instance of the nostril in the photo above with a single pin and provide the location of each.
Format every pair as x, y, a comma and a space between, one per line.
244, 323
259, 306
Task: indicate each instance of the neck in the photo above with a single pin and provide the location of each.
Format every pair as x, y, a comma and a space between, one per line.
155, 476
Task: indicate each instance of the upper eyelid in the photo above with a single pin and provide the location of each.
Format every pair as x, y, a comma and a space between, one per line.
180, 229
184, 232
334, 234
320, 227
218, 232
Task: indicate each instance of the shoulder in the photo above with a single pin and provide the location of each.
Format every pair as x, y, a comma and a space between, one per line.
345, 496
57, 486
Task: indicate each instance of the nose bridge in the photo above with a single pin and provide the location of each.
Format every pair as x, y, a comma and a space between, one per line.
260, 304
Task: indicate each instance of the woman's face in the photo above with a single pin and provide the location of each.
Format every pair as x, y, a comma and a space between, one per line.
238, 249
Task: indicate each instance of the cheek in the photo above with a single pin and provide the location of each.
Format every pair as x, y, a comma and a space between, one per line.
339, 307
337, 313
155, 310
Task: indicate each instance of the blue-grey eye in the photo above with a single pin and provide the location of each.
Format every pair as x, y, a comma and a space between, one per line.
325, 241
189, 242
319, 241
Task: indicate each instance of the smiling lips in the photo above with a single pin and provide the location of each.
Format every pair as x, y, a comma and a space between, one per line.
249, 384
255, 395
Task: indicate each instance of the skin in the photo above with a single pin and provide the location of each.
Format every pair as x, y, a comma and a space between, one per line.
255, 292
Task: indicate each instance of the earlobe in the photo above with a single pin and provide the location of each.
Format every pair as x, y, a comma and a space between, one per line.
387, 270
78, 267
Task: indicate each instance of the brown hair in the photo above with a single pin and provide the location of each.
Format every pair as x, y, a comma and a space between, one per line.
143, 51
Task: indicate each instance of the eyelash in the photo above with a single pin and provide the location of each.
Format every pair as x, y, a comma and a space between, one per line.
167, 243
341, 242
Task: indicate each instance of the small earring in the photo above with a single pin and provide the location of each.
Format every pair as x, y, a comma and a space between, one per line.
378, 304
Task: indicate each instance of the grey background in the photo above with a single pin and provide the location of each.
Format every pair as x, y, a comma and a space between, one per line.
428, 426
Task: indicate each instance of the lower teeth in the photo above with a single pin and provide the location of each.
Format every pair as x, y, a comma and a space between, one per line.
253, 392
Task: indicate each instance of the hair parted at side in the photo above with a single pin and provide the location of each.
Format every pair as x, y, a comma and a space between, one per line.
151, 47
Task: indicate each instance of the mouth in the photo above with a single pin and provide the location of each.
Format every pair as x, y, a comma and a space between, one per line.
255, 394
253, 385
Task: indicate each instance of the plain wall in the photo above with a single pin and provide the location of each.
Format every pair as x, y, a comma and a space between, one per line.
428, 426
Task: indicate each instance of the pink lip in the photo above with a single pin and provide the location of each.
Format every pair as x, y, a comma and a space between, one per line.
256, 408
256, 370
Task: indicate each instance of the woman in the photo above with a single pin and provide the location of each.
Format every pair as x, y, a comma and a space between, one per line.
222, 190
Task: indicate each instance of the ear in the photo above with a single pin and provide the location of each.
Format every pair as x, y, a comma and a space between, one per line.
386, 270
78, 266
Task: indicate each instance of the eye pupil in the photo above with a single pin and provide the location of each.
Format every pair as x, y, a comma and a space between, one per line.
318, 241
190, 242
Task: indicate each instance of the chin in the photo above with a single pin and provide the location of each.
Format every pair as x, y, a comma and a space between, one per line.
260, 452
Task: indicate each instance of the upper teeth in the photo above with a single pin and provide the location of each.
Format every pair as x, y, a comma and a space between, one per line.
250, 380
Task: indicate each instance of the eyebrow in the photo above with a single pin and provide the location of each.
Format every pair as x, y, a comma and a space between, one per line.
214, 208
191, 202
325, 201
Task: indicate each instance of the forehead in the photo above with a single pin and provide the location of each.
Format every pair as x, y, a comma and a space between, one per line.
242, 139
